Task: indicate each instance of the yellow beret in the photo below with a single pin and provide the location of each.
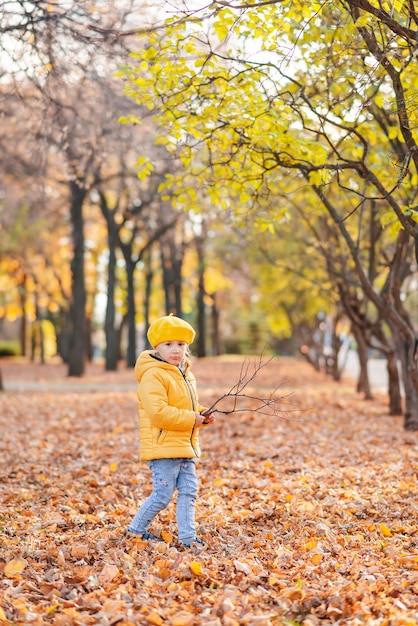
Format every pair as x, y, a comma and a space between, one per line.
170, 328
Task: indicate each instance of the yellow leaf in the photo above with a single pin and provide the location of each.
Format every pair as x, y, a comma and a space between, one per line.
14, 567
385, 530
221, 30
319, 177
362, 21
3, 617
50, 609
393, 132
196, 568
316, 559
113, 467
242, 513
379, 100
168, 537
310, 544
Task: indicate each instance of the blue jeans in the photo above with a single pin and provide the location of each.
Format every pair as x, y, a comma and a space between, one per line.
168, 475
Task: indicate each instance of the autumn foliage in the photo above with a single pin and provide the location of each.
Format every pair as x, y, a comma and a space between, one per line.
308, 520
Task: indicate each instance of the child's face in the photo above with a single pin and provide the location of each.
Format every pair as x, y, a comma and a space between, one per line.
172, 351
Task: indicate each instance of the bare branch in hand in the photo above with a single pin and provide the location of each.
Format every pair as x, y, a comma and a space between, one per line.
237, 400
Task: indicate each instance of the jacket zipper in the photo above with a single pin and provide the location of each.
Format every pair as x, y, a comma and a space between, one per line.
192, 398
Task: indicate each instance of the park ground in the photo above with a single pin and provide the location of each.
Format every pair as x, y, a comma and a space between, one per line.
309, 516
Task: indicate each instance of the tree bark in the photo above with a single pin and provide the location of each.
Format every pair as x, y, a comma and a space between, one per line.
131, 313
77, 343
201, 318
411, 396
111, 348
172, 255
395, 397
24, 320
363, 382
149, 275
216, 335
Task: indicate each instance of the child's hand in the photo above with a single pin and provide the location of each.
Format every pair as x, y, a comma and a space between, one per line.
208, 418
202, 420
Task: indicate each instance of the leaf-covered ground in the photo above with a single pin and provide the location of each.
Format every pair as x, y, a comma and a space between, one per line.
310, 520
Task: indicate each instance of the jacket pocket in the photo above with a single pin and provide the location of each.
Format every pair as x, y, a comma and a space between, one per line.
161, 437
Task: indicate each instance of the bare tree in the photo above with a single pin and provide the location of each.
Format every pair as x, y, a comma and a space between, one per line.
61, 69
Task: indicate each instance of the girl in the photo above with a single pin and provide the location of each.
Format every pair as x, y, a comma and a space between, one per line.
169, 420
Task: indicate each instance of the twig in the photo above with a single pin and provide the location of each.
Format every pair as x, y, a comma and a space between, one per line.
270, 405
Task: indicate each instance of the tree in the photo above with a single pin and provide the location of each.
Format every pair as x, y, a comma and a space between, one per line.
327, 106
61, 69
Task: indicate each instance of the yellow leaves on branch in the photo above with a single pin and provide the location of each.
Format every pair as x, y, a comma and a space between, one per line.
144, 167
320, 177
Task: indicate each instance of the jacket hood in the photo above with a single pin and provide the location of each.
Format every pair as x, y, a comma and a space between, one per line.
147, 360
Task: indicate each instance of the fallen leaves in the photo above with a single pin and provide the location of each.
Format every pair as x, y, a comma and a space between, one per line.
306, 523
385, 530
196, 568
14, 567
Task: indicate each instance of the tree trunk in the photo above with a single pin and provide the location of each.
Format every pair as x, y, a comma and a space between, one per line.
77, 343
131, 313
167, 280
411, 407
216, 335
112, 337
24, 320
336, 347
119, 335
172, 254
178, 256
40, 330
64, 336
41, 342
411, 396
363, 382
149, 275
395, 397
111, 348
201, 321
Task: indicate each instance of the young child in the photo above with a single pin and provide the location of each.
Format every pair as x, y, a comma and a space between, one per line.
169, 420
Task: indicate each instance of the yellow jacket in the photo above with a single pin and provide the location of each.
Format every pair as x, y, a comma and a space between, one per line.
167, 403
